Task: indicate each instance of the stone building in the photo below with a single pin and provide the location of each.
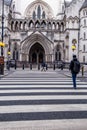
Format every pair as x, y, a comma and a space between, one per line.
34, 33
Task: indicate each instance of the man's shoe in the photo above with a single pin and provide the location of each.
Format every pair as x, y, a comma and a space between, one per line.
74, 87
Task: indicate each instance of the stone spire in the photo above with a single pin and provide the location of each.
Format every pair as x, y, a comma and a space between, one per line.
59, 6
17, 8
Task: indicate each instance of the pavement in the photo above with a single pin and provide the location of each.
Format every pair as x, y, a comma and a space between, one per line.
65, 72
7, 72
80, 75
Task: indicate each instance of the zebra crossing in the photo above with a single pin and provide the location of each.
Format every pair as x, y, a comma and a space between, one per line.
35, 100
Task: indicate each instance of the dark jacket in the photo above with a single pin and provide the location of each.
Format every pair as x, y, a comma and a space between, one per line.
72, 65
43, 64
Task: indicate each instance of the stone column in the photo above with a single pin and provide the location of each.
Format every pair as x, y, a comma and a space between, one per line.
20, 57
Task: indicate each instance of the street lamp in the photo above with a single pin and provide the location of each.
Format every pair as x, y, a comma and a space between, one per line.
2, 44
73, 47
74, 41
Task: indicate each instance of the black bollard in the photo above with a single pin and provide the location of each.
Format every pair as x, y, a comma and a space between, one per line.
38, 66
46, 67
30, 66
61, 67
54, 67
82, 71
1, 69
8, 65
23, 67
15, 66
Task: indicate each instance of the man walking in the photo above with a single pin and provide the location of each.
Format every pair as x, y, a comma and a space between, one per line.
75, 69
43, 66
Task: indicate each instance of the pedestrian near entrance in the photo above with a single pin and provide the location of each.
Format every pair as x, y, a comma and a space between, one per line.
23, 67
75, 69
43, 66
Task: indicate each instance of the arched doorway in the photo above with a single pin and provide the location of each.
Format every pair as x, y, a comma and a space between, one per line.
58, 56
36, 54
58, 53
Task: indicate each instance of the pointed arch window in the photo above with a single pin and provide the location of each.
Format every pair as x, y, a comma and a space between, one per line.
12, 26
43, 15
39, 12
14, 55
31, 24
83, 48
84, 22
84, 35
16, 26
15, 52
49, 25
83, 58
34, 15
37, 24
43, 24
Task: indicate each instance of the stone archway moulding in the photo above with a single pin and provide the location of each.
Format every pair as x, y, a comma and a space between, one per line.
45, 5
31, 40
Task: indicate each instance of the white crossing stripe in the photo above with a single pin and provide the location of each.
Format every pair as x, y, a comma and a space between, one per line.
42, 108
40, 90
12, 98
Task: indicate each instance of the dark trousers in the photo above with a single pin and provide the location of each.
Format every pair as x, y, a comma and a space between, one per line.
74, 79
43, 68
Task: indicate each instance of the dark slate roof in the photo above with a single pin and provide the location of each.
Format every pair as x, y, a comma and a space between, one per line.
84, 5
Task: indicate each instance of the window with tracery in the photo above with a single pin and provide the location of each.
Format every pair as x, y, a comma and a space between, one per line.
43, 15
83, 58
84, 22
15, 52
34, 15
84, 48
39, 12
84, 35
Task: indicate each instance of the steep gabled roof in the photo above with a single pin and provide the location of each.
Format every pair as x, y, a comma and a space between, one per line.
84, 5
37, 33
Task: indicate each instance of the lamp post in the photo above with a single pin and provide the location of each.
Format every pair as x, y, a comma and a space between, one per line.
1, 43
2, 60
9, 53
8, 63
2, 26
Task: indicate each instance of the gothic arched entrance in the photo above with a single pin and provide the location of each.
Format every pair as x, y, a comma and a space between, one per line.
36, 54
58, 55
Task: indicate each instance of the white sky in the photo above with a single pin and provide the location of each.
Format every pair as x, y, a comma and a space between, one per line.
53, 4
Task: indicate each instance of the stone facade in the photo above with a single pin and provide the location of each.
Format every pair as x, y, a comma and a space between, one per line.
37, 35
